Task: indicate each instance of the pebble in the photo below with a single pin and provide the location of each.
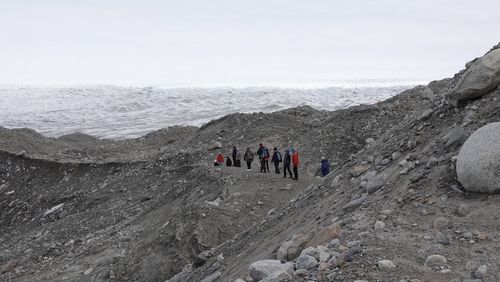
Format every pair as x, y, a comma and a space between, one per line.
88, 271
386, 265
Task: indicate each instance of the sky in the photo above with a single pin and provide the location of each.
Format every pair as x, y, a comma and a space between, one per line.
258, 42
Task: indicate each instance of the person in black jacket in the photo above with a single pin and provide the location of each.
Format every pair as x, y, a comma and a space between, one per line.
287, 162
248, 158
276, 159
235, 151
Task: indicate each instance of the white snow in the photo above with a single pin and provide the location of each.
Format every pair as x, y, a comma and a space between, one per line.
127, 112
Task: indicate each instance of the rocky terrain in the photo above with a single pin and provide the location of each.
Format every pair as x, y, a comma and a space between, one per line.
413, 195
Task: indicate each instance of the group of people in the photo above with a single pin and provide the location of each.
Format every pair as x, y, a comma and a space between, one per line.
290, 160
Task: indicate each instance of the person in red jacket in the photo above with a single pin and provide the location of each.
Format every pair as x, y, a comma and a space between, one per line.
295, 164
220, 159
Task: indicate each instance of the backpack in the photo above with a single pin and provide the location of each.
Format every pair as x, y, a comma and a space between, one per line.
266, 153
278, 157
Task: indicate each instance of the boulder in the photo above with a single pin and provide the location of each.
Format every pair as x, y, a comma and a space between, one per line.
478, 162
292, 248
263, 268
481, 76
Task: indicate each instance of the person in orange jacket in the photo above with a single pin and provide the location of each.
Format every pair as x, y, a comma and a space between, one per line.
295, 164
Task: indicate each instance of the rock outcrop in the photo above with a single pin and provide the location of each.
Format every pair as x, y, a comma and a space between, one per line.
478, 163
480, 77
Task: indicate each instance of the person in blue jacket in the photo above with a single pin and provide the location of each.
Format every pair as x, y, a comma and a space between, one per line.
325, 166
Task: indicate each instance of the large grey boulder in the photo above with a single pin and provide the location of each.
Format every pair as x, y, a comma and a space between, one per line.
478, 163
263, 268
481, 76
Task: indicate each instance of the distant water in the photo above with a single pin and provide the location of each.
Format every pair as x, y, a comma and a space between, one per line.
127, 112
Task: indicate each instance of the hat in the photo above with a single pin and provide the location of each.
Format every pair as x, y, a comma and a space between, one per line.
323, 158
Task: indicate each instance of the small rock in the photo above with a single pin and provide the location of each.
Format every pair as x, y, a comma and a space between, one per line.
435, 260
301, 273
386, 265
385, 162
279, 276
292, 248
359, 169
212, 277
481, 272
396, 155
463, 210
334, 243
9, 266
432, 162
379, 225
375, 183
354, 204
310, 251
88, 271
369, 140
263, 268
306, 262
426, 114
440, 222
456, 137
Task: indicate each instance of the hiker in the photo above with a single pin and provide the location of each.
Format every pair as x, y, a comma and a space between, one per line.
228, 161
266, 160
287, 161
220, 159
325, 166
248, 158
261, 153
235, 151
295, 164
276, 159
237, 159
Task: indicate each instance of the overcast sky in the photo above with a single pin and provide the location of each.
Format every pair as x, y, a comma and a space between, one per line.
202, 42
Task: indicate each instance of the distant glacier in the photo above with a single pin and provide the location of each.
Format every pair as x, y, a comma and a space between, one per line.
127, 112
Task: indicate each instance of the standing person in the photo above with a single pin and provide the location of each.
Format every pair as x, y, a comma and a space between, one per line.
287, 161
266, 160
228, 161
220, 159
261, 153
295, 164
235, 150
325, 166
237, 159
276, 159
248, 158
